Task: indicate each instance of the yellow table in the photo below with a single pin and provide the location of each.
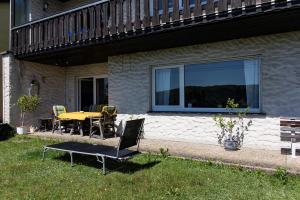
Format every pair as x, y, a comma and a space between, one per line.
80, 117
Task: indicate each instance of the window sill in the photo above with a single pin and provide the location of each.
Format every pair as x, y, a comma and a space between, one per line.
204, 113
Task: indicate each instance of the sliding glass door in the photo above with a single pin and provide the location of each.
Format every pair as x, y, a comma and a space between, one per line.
91, 91
101, 91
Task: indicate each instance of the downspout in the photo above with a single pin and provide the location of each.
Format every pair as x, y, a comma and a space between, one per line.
65, 69
10, 23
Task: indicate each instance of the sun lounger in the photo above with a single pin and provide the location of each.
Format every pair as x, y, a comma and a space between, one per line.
129, 138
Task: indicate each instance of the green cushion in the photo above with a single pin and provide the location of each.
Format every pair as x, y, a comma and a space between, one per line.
59, 109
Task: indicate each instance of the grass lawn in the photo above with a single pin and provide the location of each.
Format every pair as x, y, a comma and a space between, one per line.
25, 176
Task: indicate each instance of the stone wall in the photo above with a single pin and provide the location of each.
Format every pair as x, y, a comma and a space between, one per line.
72, 75
130, 79
17, 76
58, 85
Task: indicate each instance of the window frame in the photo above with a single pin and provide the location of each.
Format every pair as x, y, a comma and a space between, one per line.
181, 92
182, 108
94, 88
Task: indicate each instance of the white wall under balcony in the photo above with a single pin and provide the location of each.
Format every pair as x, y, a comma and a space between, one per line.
17, 76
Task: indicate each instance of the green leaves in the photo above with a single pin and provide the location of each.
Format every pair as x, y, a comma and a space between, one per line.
28, 103
232, 127
230, 105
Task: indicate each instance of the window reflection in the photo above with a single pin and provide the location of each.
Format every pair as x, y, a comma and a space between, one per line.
210, 85
167, 86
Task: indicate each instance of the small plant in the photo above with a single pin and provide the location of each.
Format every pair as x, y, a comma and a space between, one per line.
26, 104
164, 152
173, 191
282, 175
149, 156
232, 129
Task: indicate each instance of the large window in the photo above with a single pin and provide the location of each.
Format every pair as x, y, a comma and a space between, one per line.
206, 87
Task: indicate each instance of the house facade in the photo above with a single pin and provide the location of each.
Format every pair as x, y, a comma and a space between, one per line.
173, 62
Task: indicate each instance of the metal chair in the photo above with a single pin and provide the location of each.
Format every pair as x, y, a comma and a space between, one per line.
105, 122
109, 115
57, 123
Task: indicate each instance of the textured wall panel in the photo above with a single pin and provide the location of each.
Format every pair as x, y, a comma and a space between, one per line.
130, 79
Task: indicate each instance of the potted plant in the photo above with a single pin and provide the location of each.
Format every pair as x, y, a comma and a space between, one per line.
26, 103
232, 128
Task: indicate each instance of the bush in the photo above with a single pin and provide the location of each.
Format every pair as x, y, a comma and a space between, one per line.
6, 131
26, 104
233, 128
164, 152
282, 175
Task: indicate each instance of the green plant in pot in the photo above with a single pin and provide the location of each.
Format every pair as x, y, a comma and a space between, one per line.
26, 104
233, 127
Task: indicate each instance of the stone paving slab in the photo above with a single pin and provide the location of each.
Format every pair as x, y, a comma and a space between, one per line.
252, 158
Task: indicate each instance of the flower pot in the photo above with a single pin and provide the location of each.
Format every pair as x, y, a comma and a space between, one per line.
31, 129
231, 145
21, 130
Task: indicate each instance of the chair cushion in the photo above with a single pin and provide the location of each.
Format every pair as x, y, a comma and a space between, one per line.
58, 109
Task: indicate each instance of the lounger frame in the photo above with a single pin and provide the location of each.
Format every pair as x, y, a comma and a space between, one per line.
101, 157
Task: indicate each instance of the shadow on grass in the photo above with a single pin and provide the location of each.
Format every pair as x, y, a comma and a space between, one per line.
111, 165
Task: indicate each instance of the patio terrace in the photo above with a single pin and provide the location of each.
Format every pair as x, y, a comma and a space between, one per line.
247, 157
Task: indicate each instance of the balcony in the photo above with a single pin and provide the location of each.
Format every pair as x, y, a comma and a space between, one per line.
118, 22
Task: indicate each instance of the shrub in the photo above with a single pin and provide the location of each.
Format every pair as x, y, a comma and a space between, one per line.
164, 152
234, 127
282, 175
26, 104
6, 132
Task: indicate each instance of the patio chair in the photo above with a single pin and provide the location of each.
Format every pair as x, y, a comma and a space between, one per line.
105, 122
57, 123
109, 115
96, 108
129, 138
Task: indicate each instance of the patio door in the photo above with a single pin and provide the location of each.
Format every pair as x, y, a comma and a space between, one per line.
91, 91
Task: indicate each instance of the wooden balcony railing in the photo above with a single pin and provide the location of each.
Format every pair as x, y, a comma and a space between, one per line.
105, 21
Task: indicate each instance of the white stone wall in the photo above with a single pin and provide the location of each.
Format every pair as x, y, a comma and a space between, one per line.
130, 79
72, 76
17, 76
200, 128
6, 91
58, 85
